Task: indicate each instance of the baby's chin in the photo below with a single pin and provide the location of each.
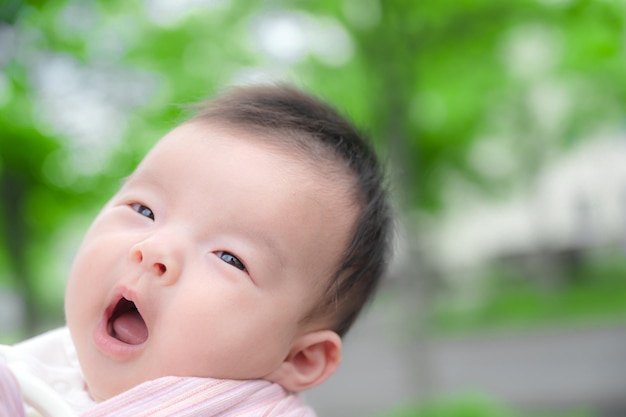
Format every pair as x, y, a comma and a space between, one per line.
100, 391
100, 394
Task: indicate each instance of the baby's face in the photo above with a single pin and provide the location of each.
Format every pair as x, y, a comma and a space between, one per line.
204, 263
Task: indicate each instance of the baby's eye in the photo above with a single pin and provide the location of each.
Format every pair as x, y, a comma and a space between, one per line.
143, 210
231, 259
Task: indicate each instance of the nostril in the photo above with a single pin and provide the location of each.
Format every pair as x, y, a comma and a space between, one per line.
136, 255
160, 267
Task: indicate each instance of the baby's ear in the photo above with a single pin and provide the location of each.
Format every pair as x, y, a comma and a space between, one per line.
313, 358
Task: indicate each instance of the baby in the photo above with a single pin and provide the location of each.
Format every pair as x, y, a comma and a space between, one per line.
243, 247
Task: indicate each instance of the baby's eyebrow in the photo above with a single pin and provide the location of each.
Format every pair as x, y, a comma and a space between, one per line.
140, 177
271, 244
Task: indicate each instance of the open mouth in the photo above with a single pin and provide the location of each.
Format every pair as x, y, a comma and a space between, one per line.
126, 323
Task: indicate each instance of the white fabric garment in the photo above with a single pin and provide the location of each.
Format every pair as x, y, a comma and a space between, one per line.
51, 358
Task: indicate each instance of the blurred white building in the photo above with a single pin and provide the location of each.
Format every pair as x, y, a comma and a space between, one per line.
578, 203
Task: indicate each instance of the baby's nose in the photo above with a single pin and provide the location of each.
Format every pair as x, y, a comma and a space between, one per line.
160, 257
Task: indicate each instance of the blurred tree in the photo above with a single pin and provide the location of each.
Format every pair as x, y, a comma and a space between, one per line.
23, 150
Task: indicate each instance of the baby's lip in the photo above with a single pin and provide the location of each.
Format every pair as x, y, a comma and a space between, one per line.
104, 337
119, 294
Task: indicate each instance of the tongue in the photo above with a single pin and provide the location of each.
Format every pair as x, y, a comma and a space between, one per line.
130, 328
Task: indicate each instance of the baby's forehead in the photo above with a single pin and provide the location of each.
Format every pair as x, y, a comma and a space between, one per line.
300, 146
306, 154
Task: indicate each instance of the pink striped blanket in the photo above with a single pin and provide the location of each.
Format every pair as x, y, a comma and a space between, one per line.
10, 396
181, 396
177, 396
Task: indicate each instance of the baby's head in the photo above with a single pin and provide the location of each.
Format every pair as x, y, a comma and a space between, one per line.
243, 246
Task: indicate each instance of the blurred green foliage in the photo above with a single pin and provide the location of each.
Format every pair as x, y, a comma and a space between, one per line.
475, 406
594, 293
